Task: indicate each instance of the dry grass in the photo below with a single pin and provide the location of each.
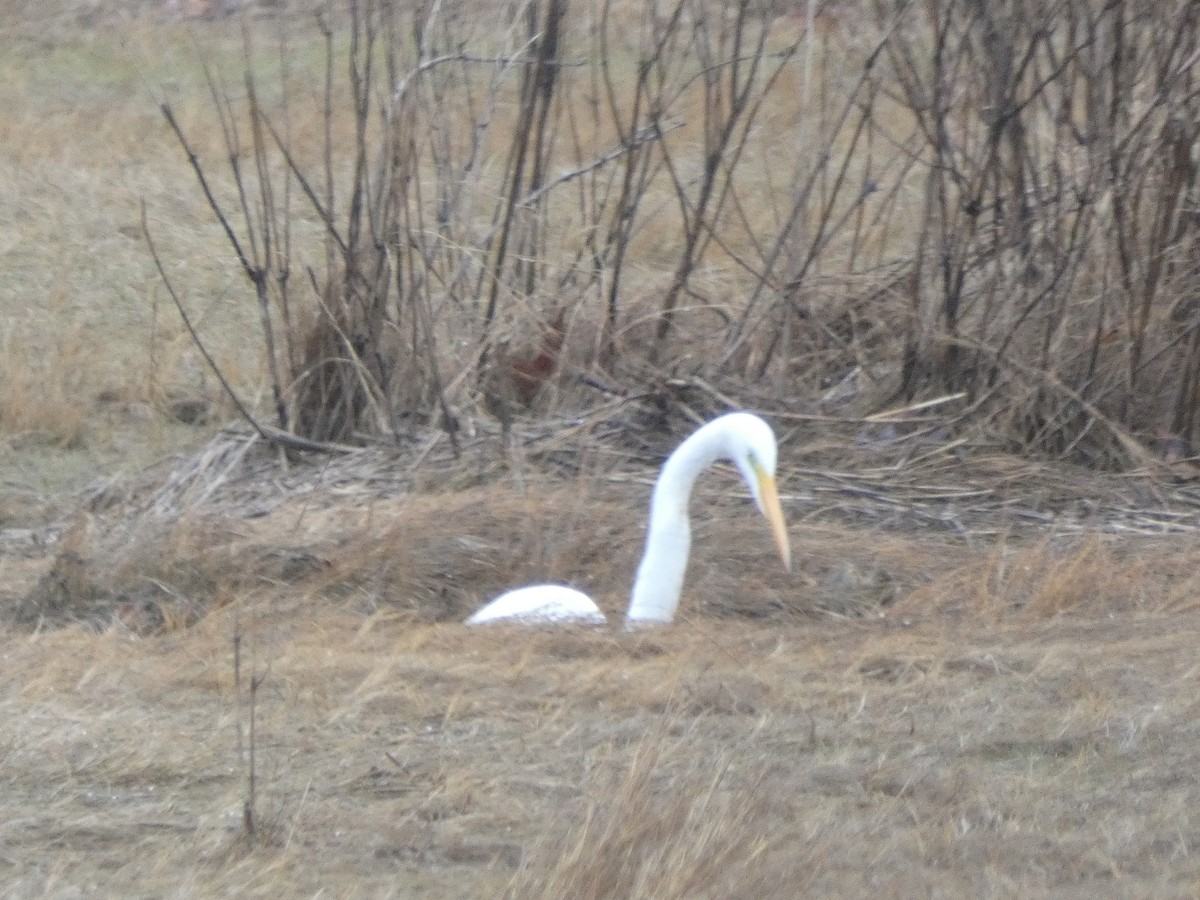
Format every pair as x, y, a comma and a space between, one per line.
92, 351
821, 758
913, 712
940, 701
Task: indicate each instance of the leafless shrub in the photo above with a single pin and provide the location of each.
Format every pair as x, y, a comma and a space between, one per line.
461, 238
1058, 175
955, 196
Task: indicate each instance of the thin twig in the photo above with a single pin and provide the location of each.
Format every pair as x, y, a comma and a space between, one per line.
187, 322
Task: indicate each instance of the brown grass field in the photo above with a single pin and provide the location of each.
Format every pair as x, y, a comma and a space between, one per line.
994, 693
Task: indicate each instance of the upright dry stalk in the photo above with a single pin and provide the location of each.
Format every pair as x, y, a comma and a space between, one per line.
1054, 179
957, 196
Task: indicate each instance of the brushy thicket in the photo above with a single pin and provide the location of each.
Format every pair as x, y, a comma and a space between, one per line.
526, 208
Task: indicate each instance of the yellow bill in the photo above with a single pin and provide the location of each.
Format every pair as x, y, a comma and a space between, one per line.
769, 500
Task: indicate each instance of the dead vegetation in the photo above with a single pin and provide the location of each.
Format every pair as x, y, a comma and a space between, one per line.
964, 690
988, 204
981, 680
1040, 756
429, 531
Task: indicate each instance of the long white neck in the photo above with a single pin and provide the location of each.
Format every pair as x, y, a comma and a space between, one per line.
659, 581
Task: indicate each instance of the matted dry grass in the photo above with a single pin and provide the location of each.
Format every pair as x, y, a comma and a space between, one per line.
897, 757
430, 532
941, 700
1001, 712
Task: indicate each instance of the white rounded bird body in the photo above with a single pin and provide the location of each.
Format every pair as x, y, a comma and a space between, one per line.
541, 604
742, 438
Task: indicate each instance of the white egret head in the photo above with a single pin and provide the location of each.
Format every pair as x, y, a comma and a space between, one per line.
752, 448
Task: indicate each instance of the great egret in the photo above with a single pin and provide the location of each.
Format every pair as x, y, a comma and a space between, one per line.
743, 439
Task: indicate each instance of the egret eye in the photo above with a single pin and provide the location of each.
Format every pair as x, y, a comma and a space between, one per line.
755, 465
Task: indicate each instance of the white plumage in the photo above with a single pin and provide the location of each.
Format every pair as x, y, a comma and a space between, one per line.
541, 604
743, 439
